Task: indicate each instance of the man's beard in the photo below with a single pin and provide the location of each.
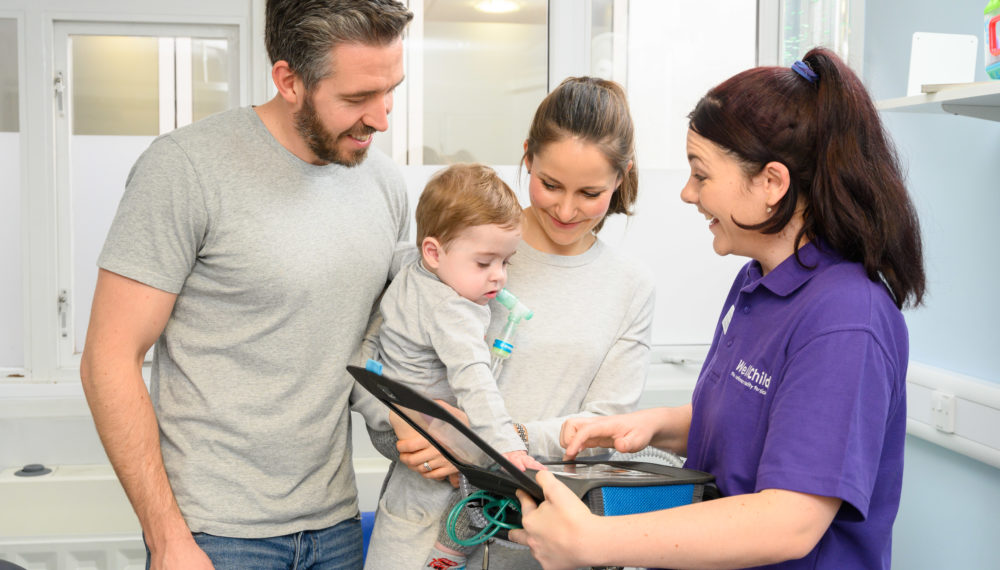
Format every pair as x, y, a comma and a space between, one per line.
321, 141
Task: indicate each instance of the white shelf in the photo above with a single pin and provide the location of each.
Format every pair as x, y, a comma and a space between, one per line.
980, 100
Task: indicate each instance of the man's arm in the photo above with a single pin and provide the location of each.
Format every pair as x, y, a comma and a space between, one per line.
125, 320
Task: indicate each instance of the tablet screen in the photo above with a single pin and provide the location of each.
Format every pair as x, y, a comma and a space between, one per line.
601, 471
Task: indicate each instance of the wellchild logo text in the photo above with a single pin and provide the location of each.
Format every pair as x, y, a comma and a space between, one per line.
752, 377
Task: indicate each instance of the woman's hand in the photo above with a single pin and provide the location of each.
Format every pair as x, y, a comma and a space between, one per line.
417, 454
557, 531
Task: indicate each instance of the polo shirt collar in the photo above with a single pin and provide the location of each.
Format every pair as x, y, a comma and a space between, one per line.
790, 275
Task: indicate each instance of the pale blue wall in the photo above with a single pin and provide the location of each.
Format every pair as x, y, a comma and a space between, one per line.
954, 175
950, 511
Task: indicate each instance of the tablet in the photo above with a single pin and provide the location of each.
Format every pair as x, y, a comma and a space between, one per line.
489, 470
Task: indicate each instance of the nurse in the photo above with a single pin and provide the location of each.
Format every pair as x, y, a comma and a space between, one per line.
800, 408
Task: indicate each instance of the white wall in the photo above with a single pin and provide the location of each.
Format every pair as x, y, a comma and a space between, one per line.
677, 51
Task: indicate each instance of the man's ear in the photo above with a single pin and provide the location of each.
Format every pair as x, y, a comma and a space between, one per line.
430, 251
776, 180
287, 82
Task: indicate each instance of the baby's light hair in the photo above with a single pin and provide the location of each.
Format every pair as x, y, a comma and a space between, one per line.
462, 196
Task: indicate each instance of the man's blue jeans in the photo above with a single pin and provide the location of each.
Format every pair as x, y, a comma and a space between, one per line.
335, 548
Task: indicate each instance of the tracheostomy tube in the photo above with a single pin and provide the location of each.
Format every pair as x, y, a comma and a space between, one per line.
504, 344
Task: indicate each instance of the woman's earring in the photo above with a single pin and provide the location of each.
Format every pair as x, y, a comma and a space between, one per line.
768, 209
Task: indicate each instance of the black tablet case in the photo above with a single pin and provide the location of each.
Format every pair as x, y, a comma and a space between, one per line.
487, 469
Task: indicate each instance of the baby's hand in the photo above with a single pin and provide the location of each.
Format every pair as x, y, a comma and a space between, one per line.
523, 461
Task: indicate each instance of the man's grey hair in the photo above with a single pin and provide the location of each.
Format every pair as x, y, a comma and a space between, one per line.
303, 32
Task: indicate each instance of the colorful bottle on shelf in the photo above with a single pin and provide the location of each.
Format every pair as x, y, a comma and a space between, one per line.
991, 16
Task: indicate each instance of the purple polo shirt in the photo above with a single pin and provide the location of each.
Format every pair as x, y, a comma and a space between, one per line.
804, 389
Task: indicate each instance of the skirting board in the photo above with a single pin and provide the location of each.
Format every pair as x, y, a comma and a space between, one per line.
975, 412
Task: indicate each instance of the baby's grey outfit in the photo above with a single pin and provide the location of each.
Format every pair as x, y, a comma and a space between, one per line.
432, 339
584, 353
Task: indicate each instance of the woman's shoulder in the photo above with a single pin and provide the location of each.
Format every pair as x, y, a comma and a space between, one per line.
625, 264
615, 277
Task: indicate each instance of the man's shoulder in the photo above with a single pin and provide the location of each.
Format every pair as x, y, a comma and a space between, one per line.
212, 126
384, 171
206, 137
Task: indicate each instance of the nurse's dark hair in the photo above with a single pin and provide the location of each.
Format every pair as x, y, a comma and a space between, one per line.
303, 32
843, 167
596, 111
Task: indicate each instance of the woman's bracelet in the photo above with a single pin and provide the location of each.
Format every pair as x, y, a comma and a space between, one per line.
522, 432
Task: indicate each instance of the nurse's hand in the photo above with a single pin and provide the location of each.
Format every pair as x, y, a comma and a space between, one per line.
556, 531
626, 433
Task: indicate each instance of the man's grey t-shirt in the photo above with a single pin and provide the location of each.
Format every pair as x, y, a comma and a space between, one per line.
276, 264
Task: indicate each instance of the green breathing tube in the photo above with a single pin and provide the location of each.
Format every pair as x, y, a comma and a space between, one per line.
504, 344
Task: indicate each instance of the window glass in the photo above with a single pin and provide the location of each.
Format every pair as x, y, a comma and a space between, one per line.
125, 91
484, 74
209, 77
115, 85
11, 316
117, 88
8, 76
602, 39
808, 23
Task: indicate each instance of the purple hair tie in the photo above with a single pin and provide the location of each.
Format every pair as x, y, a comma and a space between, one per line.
804, 70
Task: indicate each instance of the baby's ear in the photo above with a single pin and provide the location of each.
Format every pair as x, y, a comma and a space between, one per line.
430, 250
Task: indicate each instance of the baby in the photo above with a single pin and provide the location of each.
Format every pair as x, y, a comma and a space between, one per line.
435, 314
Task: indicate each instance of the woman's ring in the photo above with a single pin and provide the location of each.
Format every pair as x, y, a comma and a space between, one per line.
427, 467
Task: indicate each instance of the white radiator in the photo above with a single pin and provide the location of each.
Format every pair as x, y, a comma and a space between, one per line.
78, 518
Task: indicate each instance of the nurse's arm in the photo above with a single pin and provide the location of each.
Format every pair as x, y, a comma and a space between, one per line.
767, 527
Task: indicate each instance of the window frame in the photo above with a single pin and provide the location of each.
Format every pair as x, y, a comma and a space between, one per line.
569, 41
46, 264
62, 32
771, 37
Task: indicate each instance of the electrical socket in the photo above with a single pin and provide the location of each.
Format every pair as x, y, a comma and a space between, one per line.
943, 411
